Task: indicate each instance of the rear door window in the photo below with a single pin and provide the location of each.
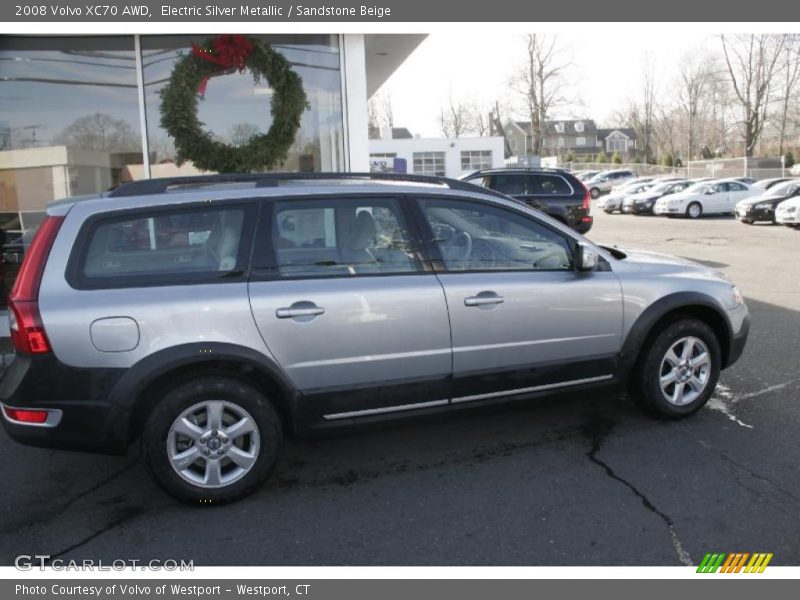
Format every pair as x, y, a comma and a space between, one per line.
511, 184
548, 185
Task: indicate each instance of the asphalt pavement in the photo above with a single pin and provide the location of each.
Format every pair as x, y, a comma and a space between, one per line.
579, 479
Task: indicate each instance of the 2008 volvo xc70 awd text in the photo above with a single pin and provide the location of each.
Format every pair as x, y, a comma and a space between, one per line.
209, 316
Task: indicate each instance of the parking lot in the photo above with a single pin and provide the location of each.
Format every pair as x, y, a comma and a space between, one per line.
570, 480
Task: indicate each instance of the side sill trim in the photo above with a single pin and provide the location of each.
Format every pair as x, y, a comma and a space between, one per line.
536, 388
383, 410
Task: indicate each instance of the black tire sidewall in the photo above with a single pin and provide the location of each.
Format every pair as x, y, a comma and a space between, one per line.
154, 446
649, 388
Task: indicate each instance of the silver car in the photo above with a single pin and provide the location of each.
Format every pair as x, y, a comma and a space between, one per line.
603, 182
208, 317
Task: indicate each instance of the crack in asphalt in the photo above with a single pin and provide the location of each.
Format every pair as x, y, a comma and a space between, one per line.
54, 513
741, 467
127, 514
596, 430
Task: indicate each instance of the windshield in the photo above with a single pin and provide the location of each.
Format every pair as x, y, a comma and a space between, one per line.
662, 187
787, 188
697, 188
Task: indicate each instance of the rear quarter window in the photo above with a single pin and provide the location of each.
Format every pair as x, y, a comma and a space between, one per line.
162, 247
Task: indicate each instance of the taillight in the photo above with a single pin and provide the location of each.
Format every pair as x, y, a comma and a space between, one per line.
587, 201
27, 331
36, 417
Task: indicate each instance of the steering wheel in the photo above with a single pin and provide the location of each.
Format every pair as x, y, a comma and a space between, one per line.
462, 241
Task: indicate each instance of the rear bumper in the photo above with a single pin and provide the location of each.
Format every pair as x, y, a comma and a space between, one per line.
584, 225
87, 421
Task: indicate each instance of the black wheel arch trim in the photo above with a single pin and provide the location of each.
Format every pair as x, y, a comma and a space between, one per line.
127, 392
641, 329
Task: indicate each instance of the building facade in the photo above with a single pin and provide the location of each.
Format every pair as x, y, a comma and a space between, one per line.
580, 137
80, 114
442, 157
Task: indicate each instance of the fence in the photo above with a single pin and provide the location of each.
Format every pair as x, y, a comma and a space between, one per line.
718, 168
641, 169
757, 168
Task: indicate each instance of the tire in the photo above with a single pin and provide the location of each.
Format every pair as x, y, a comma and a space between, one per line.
694, 210
608, 212
655, 363
595, 193
746, 221
189, 408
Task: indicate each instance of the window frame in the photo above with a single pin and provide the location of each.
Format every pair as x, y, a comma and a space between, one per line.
78, 280
264, 263
429, 155
437, 261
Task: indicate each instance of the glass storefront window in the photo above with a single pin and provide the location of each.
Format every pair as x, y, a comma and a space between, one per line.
234, 108
69, 124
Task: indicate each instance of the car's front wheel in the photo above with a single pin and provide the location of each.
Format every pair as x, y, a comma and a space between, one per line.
694, 210
212, 440
595, 193
679, 369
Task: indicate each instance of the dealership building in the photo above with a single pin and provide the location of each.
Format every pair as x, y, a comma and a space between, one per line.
80, 114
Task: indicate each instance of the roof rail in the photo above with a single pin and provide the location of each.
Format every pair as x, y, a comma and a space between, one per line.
161, 185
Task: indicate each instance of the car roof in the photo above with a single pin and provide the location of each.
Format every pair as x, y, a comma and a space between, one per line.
166, 191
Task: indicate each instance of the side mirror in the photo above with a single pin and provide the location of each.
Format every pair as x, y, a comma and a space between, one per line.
710, 191
586, 259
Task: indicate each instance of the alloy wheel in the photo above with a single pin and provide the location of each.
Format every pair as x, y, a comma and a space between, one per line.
685, 371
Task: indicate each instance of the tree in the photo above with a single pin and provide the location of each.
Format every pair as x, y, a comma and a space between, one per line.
457, 118
101, 132
752, 61
788, 159
616, 158
601, 158
380, 113
790, 75
696, 78
242, 132
648, 106
541, 83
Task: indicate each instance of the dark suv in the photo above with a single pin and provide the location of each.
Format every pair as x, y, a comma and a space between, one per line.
552, 191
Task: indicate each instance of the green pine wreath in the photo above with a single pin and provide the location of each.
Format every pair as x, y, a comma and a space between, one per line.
179, 110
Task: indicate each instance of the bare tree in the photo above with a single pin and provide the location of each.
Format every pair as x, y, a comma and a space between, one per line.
242, 132
752, 61
380, 113
541, 83
648, 111
456, 117
100, 131
697, 75
790, 75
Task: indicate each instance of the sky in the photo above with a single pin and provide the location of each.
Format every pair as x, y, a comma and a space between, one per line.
607, 65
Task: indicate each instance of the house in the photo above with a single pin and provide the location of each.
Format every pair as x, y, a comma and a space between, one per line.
582, 137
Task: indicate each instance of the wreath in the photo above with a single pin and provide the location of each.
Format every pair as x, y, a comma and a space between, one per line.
219, 56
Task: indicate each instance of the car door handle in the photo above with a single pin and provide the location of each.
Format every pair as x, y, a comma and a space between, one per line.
299, 309
483, 299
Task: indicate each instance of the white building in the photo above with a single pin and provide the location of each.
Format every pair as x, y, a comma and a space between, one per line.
435, 156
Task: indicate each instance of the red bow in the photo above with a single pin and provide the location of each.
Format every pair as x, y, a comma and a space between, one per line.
228, 52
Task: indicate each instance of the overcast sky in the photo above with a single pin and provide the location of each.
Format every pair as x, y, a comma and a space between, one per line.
607, 69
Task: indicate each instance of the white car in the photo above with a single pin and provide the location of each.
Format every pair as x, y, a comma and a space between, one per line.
603, 182
706, 198
615, 199
788, 213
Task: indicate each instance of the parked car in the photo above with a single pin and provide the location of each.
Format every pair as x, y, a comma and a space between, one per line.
613, 201
762, 207
762, 185
788, 213
603, 182
585, 175
553, 191
706, 198
209, 321
746, 180
643, 202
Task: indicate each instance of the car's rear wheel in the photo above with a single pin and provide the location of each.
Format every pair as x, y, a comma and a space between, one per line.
678, 370
212, 440
694, 210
